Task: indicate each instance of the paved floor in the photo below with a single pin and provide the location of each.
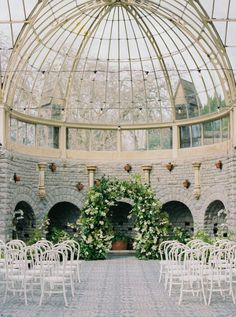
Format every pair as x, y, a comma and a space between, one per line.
118, 287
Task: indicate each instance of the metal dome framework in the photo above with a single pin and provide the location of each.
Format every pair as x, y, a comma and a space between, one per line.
117, 64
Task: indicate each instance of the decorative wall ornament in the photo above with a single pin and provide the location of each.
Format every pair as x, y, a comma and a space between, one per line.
170, 166
16, 178
186, 183
79, 186
128, 168
219, 164
53, 167
97, 182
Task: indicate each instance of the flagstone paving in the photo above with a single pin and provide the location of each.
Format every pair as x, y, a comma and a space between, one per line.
121, 286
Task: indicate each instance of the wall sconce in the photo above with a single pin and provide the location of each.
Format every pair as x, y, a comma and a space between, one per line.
127, 168
53, 167
186, 183
79, 186
16, 178
169, 166
219, 164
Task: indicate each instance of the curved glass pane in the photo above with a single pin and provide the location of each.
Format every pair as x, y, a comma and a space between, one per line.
117, 62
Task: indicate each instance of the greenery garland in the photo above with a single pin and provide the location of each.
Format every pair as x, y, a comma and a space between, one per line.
94, 227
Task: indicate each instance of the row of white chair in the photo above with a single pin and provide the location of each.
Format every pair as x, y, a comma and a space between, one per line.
199, 267
44, 266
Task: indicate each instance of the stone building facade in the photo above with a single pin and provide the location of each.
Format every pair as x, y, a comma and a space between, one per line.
215, 191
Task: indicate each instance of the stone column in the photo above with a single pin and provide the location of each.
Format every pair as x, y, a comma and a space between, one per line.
146, 171
41, 188
91, 171
197, 185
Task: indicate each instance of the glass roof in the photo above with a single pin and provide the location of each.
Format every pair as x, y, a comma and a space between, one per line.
118, 62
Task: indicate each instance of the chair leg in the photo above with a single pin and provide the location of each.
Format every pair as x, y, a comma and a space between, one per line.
25, 295
64, 294
42, 294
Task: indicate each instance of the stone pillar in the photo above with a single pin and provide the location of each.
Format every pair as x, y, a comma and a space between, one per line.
146, 171
41, 188
91, 171
197, 185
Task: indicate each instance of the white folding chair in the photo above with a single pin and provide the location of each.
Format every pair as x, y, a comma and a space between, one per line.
53, 266
17, 279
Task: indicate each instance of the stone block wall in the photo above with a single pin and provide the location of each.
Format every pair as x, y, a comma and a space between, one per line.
60, 186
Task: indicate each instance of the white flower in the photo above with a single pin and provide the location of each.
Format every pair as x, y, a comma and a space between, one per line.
101, 222
89, 240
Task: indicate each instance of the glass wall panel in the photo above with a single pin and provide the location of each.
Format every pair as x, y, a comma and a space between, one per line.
77, 139
196, 135
91, 140
34, 135
30, 134
154, 139
166, 138
53, 137
208, 133
21, 137
13, 130
185, 139
134, 140
225, 128
205, 133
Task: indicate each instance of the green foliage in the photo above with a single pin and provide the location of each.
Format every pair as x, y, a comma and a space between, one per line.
59, 235
213, 104
39, 232
94, 227
119, 236
204, 236
181, 235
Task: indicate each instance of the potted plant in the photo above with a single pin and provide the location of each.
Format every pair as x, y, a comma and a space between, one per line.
120, 241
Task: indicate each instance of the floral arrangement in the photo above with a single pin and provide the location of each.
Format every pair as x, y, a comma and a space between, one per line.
95, 230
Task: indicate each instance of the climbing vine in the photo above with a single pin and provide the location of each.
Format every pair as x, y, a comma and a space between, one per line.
95, 230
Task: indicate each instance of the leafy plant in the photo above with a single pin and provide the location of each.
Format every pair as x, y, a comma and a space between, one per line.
59, 235
181, 235
204, 236
119, 236
39, 232
94, 227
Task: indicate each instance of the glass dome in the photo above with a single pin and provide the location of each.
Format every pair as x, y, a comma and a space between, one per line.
117, 61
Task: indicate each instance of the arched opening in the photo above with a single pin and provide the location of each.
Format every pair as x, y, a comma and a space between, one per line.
179, 215
23, 221
215, 218
60, 215
121, 223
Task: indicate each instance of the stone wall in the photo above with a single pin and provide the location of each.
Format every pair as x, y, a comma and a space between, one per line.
216, 184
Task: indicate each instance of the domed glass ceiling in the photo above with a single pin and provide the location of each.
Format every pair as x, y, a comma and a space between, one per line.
118, 62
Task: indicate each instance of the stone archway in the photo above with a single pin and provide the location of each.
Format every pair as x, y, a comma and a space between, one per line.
120, 220
60, 215
23, 221
94, 226
215, 218
179, 215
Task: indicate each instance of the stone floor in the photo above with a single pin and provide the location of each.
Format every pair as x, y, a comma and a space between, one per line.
121, 286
